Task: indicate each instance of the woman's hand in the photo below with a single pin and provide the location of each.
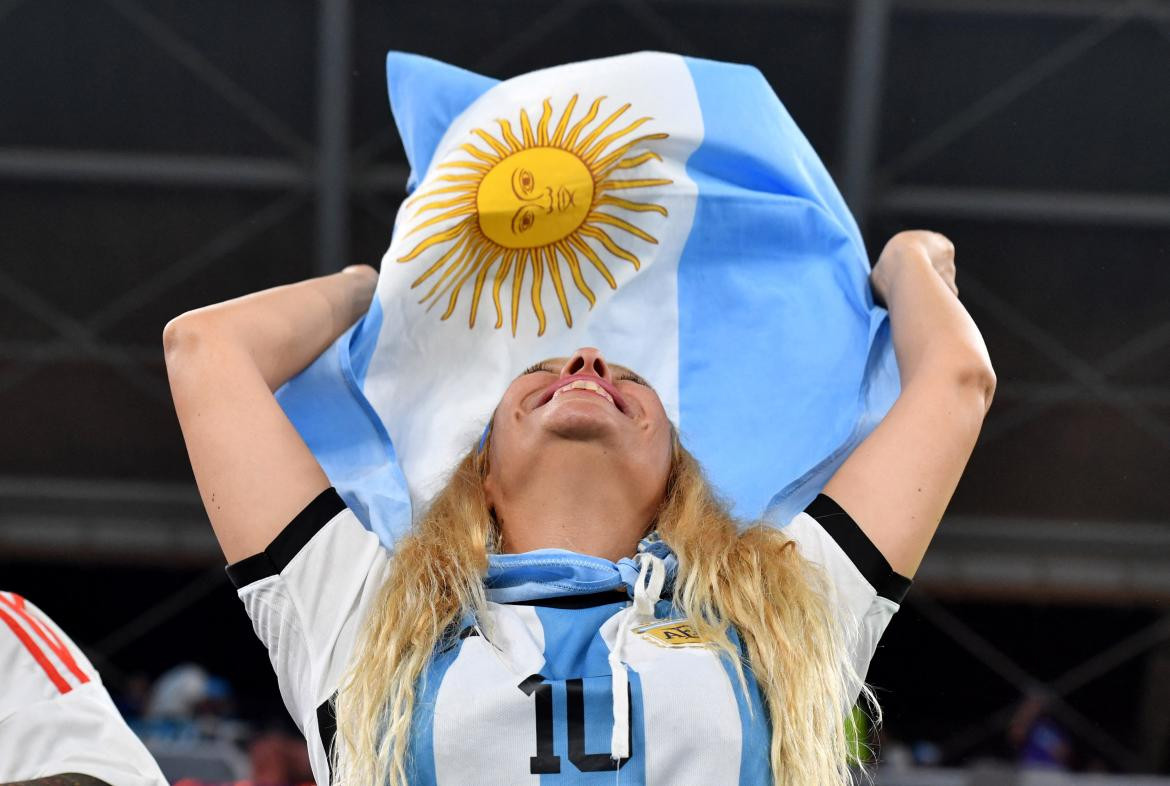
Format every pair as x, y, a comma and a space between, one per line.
907, 248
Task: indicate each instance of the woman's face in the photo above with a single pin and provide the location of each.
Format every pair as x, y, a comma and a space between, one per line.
604, 412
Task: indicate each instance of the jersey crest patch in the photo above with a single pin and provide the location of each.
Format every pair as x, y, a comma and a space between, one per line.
671, 633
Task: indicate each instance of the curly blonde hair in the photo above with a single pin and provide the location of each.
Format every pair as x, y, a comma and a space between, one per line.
752, 578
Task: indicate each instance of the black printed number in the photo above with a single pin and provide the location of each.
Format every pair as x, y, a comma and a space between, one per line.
545, 761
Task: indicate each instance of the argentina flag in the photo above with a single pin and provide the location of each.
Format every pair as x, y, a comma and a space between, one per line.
664, 209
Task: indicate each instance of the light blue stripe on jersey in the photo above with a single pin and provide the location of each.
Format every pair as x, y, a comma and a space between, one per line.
421, 767
574, 649
755, 748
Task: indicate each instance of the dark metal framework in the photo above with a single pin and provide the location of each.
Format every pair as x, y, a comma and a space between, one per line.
334, 174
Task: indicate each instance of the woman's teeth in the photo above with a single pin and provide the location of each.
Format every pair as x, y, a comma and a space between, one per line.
582, 384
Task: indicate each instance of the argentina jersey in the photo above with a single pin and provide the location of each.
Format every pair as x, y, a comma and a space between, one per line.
579, 668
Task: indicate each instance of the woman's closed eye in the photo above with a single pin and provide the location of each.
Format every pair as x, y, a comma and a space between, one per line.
534, 368
632, 377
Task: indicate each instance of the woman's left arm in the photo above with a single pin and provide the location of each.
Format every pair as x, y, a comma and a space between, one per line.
898, 482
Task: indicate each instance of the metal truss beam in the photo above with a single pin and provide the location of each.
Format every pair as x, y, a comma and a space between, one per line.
151, 169
863, 94
333, 106
1009, 557
119, 521
1062, 207
104, 521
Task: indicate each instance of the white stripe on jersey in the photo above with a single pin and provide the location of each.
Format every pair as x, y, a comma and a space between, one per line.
686, 696
484, 684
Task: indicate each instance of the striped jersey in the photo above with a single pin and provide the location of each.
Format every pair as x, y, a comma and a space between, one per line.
578, 684
55, 715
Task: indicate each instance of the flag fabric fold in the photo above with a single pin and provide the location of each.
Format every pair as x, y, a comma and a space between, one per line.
665, 209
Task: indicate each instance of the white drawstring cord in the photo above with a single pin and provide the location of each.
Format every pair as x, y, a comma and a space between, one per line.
646, 594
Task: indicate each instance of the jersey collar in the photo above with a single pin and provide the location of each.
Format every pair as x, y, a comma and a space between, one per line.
555, 573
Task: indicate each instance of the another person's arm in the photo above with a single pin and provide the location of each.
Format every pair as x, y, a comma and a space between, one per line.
254, 471
898, 482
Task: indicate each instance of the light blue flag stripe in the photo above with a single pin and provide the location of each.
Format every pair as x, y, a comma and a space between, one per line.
773, 292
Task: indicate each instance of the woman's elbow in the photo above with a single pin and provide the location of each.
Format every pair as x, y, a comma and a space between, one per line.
979, 377
188, 337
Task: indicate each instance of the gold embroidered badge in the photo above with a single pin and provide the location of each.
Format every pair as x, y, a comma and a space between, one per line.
672, 633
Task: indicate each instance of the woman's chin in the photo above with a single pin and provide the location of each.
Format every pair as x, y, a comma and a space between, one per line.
579, 418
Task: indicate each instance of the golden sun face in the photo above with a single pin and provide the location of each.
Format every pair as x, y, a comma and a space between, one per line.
530, 204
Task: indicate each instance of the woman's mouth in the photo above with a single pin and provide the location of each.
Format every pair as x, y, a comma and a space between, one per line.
586, 382
582, 384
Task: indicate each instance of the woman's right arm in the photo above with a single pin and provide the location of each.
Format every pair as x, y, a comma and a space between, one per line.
253, 470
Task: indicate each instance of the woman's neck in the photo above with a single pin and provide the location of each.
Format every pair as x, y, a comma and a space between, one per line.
584, 507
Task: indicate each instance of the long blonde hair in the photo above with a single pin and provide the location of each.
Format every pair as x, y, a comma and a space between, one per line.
752, 579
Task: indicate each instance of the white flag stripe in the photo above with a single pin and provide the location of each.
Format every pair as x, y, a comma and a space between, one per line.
431, 421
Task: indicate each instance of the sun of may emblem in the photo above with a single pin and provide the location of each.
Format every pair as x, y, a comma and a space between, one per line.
525, 204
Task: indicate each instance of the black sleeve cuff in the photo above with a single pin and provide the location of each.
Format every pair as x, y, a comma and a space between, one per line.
289, 542
859, 548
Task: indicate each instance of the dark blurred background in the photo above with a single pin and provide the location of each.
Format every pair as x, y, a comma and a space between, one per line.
158, 155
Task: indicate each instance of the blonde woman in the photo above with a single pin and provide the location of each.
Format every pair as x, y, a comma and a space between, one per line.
576, 606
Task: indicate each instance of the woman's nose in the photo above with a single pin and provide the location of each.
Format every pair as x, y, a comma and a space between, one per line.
587, 360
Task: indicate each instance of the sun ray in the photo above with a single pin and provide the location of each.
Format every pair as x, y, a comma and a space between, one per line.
571, 139
621, 223
459, 230
526, 129
574, 265
463, 188
517, 284
509, 137
601, 167
443, 204
542, 126
637, 207
439, 262
487, 220
591, 255
559, 132
463, 211
610, 246
537, 281
596, 132
492, 142
617, 185
466, 165
487, 255
637, 160
483, 156
600, 145
453, 273
554, 270
480, 278
468, 252
501, 275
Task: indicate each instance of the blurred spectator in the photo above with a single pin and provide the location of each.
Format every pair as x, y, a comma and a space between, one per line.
188, 703
1039, 740
280, 759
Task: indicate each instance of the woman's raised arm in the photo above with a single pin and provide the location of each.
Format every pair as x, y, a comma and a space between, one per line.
254, 471
898, 482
